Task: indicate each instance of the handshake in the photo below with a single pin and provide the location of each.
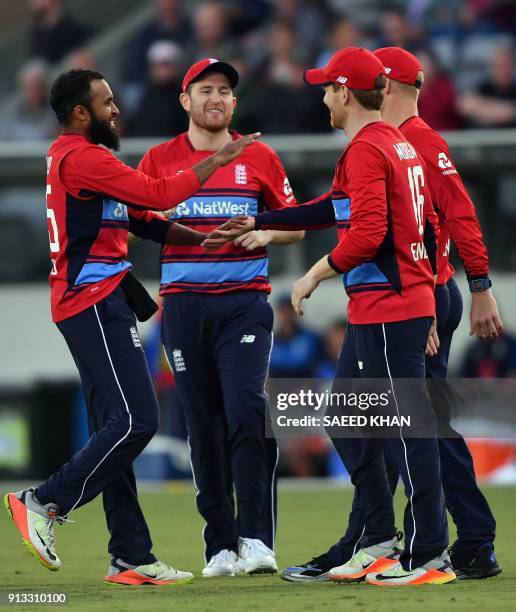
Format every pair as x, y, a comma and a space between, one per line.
241, 230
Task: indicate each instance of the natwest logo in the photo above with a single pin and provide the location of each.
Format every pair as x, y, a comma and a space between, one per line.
220, 208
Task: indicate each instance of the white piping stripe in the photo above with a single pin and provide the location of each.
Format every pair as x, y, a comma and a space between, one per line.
358, 542
126, 407
404, 448
203, 530
273, 488
272, 499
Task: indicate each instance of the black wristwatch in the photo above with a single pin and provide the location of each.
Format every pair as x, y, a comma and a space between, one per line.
476, 285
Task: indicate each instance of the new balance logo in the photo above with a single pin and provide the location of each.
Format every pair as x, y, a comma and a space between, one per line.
247, 339
240, 174
135, 337
179, 362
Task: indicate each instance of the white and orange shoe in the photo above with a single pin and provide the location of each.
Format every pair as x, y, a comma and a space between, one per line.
157, 573
436, 571
35, 522
376, 558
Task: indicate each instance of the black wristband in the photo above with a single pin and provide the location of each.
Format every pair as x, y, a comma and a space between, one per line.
479, 284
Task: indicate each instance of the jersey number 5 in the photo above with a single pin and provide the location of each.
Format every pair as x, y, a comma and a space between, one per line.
416, 180
52, 231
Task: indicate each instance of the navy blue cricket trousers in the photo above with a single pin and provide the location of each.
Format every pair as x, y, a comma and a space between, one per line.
464, 500
123, 416
391, 351
467, 505
218, 347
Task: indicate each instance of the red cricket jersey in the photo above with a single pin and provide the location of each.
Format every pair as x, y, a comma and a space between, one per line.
384, 213
88, 194
255, 181
456, 212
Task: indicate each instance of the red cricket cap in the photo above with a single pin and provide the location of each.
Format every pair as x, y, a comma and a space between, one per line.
354, 67
400, 65
210, 64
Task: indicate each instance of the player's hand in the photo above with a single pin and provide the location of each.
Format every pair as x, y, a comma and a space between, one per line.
484, 316
254, 240
302, 289
235, 227
232, 149
432, 343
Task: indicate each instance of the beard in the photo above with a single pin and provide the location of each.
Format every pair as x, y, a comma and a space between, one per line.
198, 118
102, 133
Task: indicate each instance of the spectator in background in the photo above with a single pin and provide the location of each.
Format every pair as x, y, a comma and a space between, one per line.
296, 350
308, 23
344, 33
82, 59
211, 33
295, 108
54, 33
397, 31
493, 104
170, 24
159, 112
490, 359
308, 20
437, 100
333, 339
32, 118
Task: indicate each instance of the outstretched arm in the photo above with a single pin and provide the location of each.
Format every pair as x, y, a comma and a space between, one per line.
311, 215
94, 170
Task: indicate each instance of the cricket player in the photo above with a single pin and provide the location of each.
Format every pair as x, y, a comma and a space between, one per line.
217, 325
92, 201
472, 555
387, 255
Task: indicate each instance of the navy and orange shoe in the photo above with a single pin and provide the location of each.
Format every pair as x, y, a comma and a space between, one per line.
157, 573
315, 570
35, 522
436, 571
376, 558
474, 565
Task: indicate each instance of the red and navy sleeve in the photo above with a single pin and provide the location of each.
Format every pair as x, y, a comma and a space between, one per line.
453, 202
431, 230
312, 215
363, 176
148, 224
94, 170
277, 192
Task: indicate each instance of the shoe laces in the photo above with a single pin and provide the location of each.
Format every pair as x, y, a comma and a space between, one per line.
253, 545
222, 555
161, 567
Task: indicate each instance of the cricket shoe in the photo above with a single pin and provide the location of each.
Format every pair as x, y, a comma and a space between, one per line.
376, 558
481, 563
35, 522
153, 573
436, 571
221, 564
255, 557
315, 570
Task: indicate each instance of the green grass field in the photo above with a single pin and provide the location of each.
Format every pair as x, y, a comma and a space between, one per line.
309, 520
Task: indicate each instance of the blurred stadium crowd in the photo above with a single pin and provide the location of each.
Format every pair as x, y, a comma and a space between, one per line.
466, 46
